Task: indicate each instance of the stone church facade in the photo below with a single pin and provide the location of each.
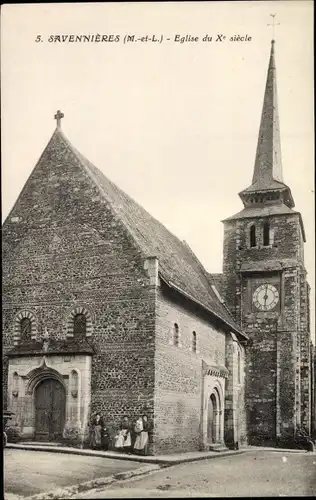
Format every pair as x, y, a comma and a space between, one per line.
105, 310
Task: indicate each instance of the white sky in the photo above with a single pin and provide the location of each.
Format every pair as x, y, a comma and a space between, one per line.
174, 125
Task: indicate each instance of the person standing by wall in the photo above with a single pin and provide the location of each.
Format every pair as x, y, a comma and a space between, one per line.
141, 429
123, 440
105, 438
96, 431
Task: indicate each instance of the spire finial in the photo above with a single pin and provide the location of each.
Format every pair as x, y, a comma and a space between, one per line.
273, 25
59, 115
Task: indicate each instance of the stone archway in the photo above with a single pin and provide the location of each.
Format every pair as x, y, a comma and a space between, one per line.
72, 387
214, 420
212, 417
50, 407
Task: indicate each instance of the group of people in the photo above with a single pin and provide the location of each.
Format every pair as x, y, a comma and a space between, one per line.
129, 438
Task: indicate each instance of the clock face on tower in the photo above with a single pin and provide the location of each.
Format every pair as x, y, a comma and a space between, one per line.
265, 297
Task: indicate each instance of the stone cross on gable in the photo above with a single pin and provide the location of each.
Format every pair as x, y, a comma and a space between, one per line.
273, 25
59, 115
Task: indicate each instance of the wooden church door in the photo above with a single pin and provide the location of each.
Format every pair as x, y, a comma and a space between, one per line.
50, 400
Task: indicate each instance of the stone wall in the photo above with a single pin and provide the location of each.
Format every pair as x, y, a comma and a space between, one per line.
235, 410
306, 360
285, 243
64, 247
313, 357
276, 356
178, 384
24, 374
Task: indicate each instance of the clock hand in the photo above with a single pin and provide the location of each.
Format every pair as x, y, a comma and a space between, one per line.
266, 296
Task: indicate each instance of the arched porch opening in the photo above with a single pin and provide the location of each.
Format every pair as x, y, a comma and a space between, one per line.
214, 420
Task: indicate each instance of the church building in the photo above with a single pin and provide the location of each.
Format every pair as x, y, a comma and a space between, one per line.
105, 310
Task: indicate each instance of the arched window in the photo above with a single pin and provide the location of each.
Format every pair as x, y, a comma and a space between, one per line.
79, 322
176, 335
25, 329
266, 234
80, 325
194, 341
253, 238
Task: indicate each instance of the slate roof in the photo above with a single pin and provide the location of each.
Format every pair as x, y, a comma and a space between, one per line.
268, 164
265, 184
217, 280
178, 265
267, 174
261, 210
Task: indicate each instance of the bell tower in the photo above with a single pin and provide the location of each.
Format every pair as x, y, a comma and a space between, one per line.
266, 290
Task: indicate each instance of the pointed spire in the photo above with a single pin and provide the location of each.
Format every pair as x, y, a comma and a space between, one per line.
267, 176
268, 163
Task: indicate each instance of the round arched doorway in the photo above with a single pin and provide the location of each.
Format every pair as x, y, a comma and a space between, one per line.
214, 418
50, 403
211, 419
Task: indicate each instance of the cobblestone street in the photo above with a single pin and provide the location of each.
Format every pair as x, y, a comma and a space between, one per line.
251, 474
29, 472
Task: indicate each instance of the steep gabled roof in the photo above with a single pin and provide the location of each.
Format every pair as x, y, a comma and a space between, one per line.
217, 279
178, 266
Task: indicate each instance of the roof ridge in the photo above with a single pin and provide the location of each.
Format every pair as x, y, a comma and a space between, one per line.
88, 168
85, 163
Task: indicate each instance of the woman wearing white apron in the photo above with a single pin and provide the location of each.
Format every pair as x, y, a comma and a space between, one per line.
123, 440
141, 430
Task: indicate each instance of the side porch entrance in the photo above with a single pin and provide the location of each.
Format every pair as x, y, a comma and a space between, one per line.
213, 407
212, 424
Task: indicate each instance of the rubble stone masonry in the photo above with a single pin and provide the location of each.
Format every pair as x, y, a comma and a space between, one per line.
278, 395
64, 247
178, 383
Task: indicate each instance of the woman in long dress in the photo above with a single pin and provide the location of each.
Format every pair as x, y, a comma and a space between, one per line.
97, 426
141, 429
123, 438
105, 438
